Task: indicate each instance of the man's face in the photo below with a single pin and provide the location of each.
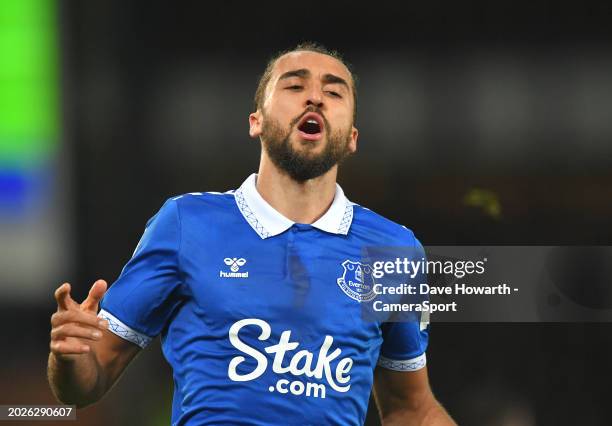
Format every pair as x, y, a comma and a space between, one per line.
306, 123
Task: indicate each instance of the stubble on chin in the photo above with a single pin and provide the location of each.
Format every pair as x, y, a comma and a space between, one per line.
296, 157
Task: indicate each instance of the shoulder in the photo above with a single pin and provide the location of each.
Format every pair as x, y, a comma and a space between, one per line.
391, 232
197, 205
201, 201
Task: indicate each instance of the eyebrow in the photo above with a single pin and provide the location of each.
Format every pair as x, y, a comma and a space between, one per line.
304, 73
334, 79
301, 73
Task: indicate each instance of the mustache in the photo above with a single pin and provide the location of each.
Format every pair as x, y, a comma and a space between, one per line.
297, 119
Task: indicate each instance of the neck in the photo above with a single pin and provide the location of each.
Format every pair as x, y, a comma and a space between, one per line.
301, 202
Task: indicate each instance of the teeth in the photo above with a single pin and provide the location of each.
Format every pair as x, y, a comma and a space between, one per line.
312, 121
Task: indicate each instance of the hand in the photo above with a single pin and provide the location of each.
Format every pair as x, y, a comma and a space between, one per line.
74, 327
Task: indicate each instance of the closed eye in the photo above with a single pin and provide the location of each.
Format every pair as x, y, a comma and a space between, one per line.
294, 87
334, 94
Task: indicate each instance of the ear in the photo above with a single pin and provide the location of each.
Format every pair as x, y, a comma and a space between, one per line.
255, 123
352, 145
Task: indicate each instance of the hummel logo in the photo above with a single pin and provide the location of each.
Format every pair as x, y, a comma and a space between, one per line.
234, 264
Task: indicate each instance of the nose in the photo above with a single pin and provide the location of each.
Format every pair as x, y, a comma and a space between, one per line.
315, 98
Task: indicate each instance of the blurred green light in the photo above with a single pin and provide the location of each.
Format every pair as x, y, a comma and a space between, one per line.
29, 99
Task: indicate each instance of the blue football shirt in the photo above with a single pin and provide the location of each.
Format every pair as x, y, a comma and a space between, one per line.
260, 317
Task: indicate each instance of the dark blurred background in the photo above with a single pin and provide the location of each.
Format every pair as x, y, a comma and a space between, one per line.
480, 123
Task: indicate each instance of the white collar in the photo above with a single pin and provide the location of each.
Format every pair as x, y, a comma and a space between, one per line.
268, 222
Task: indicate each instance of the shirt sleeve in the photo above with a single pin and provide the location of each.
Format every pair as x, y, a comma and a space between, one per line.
141, 301
404, 345
405, 342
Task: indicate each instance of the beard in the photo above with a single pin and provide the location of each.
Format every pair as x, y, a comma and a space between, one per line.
303, 165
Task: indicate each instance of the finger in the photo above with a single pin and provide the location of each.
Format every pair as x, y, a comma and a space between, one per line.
75, 330
62, 296
95, 295
73, 347
77, 316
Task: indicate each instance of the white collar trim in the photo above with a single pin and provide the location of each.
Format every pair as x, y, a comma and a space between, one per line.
268, 222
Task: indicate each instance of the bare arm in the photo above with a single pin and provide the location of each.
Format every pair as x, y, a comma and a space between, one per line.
85, 359
405, 398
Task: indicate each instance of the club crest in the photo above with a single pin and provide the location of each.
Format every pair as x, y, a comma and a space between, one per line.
357, 281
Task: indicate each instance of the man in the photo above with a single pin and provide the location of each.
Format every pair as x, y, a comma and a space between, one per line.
248, 289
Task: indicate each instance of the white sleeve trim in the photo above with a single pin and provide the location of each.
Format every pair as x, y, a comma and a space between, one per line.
120, 329
403, 365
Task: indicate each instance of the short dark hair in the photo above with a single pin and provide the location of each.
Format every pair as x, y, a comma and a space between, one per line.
308, 46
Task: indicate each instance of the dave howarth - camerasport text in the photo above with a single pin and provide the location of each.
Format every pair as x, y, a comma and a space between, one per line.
457, 289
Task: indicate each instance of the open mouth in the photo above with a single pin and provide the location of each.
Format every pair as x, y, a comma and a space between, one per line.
311, 126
